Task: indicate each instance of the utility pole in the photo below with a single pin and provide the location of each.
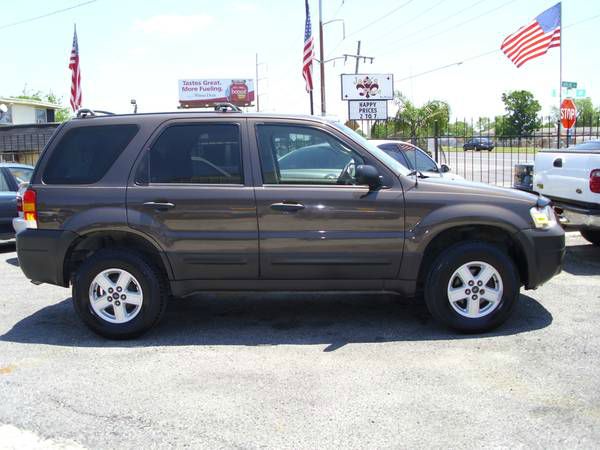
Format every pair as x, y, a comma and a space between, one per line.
256, 93
256, 87
358, 57
322, 58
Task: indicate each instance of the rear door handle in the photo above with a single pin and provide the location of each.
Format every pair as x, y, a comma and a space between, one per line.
160, 206
287, 207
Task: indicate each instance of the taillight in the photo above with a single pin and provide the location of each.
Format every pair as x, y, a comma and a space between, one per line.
595, 181
30, 208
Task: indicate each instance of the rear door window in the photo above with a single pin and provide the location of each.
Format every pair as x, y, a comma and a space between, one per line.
85, 154
197, 154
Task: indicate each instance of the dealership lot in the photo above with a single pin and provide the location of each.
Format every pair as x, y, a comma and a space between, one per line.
305, 371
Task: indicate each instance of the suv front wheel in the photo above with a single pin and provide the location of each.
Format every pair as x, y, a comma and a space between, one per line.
118, 294
472, 287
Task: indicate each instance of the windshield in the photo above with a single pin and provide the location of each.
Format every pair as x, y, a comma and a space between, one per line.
21, 174
373, 149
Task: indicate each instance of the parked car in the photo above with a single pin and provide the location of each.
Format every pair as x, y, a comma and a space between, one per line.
18, 222
478, 144
571, 178
405, 153
11, 176
132, 209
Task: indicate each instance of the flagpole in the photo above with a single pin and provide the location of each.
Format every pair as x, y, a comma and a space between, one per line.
312, 108
560, 77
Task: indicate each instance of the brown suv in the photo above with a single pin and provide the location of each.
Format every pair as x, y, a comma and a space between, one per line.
131, 209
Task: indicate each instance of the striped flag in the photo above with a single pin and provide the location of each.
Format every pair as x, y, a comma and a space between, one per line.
308, 52
75, 74
534, 39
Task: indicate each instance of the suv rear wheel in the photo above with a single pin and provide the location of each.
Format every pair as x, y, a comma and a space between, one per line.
118, 294
472, 287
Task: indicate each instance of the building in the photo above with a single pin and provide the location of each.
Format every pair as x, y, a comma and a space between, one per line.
17, 111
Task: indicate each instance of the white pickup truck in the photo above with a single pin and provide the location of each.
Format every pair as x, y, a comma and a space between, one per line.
570, 177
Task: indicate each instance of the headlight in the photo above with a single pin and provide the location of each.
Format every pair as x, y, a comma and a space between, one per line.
543, 217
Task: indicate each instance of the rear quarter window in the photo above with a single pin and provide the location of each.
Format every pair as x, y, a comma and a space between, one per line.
84, 154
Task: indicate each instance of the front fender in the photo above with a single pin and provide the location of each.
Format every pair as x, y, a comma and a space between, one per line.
437, 221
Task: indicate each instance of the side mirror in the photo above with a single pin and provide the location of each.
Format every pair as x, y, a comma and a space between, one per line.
368, 175
444, 168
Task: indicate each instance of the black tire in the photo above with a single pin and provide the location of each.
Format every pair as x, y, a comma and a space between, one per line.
592, 236
436, 295
152, 283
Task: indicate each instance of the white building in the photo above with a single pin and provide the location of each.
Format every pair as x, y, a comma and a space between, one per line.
17, 111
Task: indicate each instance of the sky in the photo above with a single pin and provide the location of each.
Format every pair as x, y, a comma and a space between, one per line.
141, 48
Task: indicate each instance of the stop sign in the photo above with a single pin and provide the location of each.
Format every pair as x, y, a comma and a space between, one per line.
568, 113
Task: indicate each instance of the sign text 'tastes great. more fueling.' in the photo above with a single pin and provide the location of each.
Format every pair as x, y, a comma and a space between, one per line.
208, 92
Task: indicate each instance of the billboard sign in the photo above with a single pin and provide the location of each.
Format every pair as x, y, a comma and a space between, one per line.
367, 109
196, 93
373, 86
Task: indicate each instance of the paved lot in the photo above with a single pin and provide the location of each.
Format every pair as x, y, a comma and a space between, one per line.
304, 371
495, 167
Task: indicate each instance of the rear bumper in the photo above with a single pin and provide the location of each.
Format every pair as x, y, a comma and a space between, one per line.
577, 216
545, 252
19, 224
41, 254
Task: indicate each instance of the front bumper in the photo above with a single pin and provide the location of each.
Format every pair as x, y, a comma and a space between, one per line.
42, 253
545, 253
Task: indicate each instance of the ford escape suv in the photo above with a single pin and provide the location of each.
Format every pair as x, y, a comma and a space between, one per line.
132, 209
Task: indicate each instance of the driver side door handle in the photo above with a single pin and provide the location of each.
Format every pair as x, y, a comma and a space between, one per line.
287, 206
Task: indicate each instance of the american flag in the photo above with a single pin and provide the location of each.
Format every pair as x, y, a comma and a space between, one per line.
76, 74
534, 39
308, 52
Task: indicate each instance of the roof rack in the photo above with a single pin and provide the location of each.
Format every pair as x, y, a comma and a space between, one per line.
85, 112
225, 106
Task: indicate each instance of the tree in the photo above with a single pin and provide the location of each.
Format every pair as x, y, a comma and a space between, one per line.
483, 124
460, 128
586, 113
415, 121
61, 115
521, 118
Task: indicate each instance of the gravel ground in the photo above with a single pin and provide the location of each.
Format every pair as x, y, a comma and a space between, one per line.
304, 371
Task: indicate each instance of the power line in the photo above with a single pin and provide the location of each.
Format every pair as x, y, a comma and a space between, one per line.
481, 55
455, 26
409, 20
385, 16
443, 20
52, 13
418, 16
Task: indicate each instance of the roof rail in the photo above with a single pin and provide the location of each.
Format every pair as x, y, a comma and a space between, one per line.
85, 112
225, 106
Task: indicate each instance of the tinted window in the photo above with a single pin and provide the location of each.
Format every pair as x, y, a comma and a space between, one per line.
303, 155
21, 174
201, 154
85, 154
